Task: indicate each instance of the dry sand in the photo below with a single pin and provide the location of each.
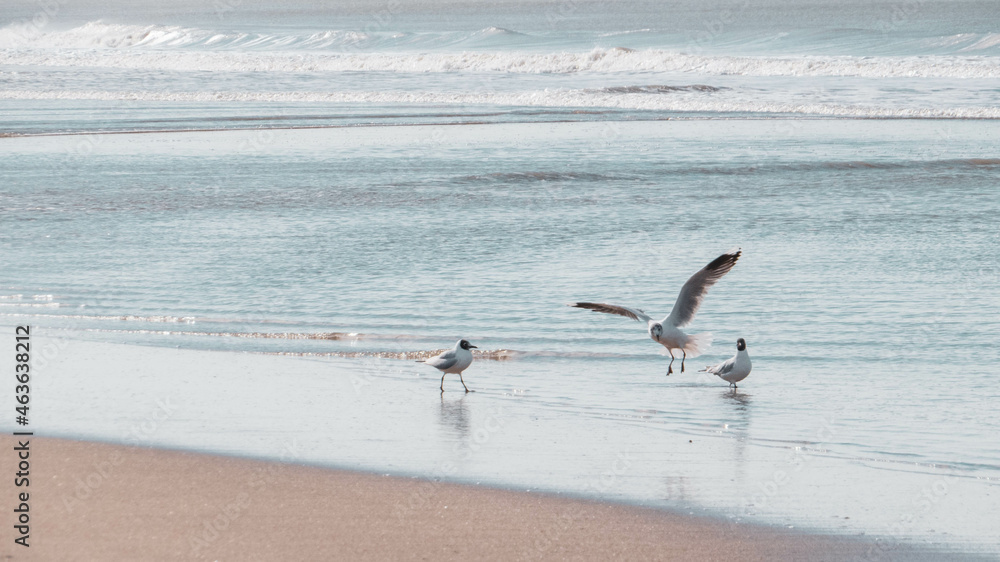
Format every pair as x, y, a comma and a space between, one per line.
93, 501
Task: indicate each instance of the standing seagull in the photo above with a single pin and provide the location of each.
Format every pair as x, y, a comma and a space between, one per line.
667, 331
734, 369
455, 360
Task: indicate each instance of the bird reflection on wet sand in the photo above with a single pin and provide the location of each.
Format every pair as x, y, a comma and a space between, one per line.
740, 400
455, 416
739, 427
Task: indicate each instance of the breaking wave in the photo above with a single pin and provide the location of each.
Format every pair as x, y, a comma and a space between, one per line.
103, 35
150, 50
100, 35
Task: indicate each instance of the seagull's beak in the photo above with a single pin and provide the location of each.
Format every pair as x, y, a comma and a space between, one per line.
472, 347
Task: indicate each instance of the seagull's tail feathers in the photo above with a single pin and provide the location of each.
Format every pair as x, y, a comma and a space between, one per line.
710, 369
698, 344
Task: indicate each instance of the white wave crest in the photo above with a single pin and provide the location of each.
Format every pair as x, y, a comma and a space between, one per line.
513, 62
987, 41
100, 35
493, 30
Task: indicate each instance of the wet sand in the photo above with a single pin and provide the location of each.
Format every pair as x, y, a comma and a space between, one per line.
91, 501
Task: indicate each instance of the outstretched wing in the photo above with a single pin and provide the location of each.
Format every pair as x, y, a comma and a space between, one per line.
633, 313
443, 361
693, 292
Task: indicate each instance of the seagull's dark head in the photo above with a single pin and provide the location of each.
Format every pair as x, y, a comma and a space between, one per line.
656, 330
741, 344
464, 344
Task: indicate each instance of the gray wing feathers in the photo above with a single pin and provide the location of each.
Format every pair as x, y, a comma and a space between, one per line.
633, 313
443, 361
693, 292
725, 367
721, 368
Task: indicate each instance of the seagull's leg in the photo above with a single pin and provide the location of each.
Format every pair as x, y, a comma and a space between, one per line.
670, 367
463, 382
442, 381
684, 351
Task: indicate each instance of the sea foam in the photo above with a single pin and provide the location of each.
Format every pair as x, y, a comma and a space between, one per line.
547, 98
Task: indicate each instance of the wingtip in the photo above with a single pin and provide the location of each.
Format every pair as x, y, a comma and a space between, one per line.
730, 258
725, 262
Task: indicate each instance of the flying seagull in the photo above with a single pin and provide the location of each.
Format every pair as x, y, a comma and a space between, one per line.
455, 360
667, 332
734, 369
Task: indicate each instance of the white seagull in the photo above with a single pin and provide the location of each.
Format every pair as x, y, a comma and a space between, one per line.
667, 332
734, 369
455, 360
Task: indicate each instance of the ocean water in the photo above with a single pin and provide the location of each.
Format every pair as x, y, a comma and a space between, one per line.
363, 183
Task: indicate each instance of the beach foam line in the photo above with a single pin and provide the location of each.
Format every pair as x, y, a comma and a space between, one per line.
332, 336
485, 354
502, 354
658, 89
488, 354
544, 98
252, 335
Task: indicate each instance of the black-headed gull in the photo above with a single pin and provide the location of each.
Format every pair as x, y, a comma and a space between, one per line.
455, 360
667, 331
734, 369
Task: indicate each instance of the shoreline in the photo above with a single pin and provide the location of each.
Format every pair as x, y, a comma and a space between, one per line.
378, 416
99, 501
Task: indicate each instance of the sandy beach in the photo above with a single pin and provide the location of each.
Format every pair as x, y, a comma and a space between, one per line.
93, 501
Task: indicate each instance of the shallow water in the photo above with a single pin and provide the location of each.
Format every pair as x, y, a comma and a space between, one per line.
868, 309
429, 183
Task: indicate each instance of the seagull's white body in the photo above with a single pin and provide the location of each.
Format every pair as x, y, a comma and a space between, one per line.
667, 332
455, 360
672, 338
734, 369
